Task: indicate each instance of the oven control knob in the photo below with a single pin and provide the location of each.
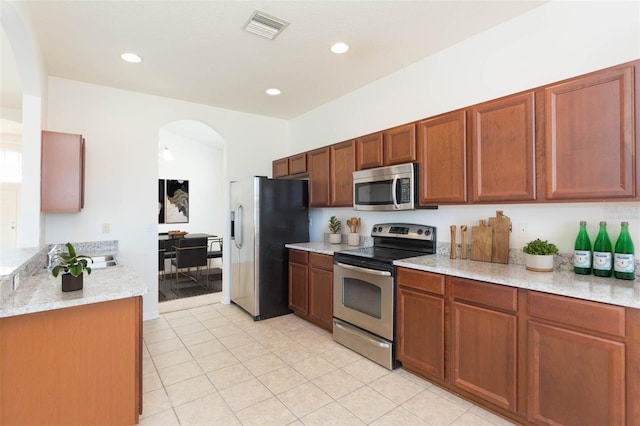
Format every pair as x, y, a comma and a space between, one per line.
419, 231
427, 232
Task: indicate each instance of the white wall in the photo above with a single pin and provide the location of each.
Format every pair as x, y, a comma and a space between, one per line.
554, 41
201, 164
121, 131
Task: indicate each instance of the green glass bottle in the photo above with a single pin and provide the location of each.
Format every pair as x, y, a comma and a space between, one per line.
602, 253
624, 262
582, 251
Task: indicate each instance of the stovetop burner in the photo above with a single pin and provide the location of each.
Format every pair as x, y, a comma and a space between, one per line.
393, 241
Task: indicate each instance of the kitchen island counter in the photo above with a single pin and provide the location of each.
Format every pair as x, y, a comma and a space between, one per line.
564, 283
42, 292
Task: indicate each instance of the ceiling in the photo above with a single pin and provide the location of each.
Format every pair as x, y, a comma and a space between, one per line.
197, 51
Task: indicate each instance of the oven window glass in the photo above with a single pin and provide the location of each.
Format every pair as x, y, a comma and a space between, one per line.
362, 296
374, 193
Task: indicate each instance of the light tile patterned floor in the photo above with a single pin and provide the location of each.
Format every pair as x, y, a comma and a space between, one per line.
214, 365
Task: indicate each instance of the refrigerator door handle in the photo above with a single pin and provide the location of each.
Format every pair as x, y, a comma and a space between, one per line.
238, 224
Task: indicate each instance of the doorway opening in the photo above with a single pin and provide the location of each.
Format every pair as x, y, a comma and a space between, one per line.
190, 210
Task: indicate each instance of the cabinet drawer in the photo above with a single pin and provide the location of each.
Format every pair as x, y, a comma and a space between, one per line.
321, 261
297, 256
420, 280
493, 295
579, 313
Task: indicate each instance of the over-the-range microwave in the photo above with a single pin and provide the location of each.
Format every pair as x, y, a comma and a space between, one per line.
386, 188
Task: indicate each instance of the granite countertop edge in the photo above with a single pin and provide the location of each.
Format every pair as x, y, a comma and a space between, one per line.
563, 283
42, 292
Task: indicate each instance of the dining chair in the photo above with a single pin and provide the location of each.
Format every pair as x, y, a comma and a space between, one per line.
190, 253
215, 250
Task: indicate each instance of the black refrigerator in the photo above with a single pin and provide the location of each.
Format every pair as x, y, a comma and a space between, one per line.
266, 214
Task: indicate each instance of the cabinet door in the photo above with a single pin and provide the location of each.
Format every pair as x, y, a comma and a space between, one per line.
280, 168
318, 165
589, 129
343, 164
574, 378
370, 153
298, 164
483, 353
321, 297
420, 331
62, 172
442, 156
400, 145
298, 287
503, 150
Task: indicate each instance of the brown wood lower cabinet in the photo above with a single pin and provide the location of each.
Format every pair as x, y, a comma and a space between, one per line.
77, 365
420, 323
311, 287
530, 356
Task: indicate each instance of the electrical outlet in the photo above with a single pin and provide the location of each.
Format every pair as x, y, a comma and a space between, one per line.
15, 283
106, 228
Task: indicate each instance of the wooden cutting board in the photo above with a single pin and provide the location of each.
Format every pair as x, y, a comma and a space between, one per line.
501, 226
481, 238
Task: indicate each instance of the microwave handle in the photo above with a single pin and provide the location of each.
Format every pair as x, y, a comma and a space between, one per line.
394, 188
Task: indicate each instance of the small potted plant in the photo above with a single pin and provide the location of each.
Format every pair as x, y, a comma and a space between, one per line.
334, 228
539, 255
72, 266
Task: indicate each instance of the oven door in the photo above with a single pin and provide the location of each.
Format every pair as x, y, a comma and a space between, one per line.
364, 297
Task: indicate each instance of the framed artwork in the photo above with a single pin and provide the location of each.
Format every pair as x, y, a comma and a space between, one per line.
161, 209
176, 201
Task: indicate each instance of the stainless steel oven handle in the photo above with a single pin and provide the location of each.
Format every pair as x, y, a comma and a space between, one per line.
360, 336
365, 270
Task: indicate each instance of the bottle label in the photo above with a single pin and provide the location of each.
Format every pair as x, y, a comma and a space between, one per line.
582, 259
602, 260
624, 263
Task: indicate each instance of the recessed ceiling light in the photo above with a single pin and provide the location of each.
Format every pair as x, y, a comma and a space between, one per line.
131, 57
273, 91
339, 47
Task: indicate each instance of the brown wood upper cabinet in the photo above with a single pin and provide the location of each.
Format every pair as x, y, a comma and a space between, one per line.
370, 152
589, 133
442, 155
62, 172
293, 165
319, 169
343, 164
503, 149
400, 145
280, 168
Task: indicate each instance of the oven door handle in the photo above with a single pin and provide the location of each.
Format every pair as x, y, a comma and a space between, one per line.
361, 336
365, 270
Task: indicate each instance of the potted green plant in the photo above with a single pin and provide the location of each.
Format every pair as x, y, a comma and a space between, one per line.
72, 266
334, 228
539, 255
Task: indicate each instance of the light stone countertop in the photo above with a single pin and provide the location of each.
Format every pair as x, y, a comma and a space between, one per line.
12, 259
320, 247
42, 292
564, 283
560, 282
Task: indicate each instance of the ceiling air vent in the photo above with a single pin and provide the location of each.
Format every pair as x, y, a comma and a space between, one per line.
264, 25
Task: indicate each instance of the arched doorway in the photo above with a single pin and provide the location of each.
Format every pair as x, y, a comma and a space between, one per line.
191, 155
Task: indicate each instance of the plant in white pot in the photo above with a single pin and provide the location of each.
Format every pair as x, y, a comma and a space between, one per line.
334, 228
72, 266
539, 255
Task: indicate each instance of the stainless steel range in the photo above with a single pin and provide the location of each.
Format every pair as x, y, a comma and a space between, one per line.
364, 288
